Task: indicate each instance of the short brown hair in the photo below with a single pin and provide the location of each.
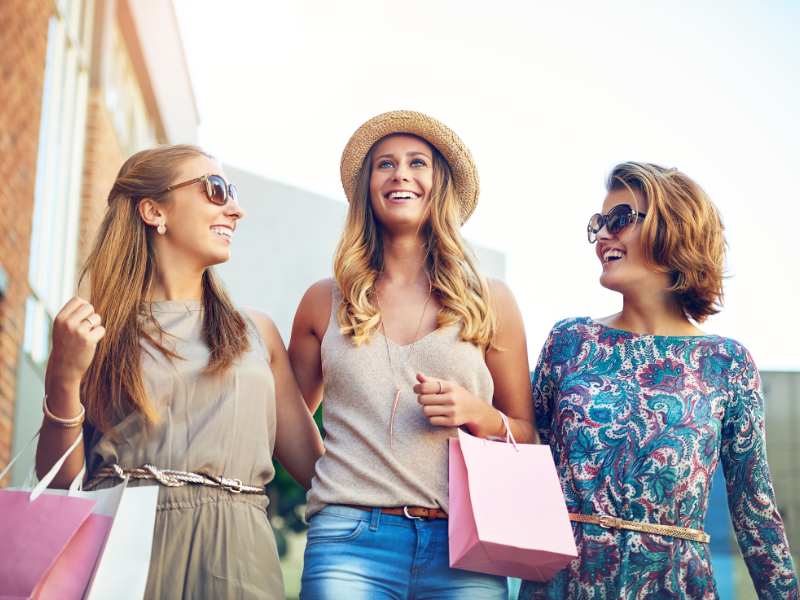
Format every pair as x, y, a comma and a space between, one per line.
682, 233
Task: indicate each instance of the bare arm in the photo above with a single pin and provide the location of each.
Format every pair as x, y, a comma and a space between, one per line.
76, 332
308, 329
508, 364
298, 444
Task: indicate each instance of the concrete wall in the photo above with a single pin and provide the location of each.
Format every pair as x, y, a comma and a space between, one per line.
286, 242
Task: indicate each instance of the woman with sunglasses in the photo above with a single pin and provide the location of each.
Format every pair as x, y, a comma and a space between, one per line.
640, 407
408, 343
175, 383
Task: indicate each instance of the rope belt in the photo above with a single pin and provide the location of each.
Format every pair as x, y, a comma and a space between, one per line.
684, 533
170, 478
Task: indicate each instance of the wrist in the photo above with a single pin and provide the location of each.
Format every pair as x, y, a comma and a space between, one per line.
487, 422
57, 382
63, 395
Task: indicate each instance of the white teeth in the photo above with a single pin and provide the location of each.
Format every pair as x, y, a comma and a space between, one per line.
223, 232
403, 195
612, 254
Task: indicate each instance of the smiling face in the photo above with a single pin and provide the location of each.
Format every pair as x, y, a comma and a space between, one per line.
401, 180
196, 227
625, 268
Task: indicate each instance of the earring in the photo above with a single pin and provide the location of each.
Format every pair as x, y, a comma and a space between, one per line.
162, 229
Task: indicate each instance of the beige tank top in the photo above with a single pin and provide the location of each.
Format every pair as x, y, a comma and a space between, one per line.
360, 465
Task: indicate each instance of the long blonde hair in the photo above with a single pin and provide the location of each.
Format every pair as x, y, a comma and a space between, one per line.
121, 267
460, 288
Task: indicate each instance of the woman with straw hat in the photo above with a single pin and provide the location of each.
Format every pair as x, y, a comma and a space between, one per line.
407, 343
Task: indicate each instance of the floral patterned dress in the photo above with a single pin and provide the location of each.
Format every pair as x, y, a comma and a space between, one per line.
637, 425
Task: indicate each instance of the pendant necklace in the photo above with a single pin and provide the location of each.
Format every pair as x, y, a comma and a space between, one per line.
412, 348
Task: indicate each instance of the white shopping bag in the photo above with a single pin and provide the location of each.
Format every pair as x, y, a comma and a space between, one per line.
109, 554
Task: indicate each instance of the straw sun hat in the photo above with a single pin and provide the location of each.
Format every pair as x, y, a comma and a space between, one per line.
457, 155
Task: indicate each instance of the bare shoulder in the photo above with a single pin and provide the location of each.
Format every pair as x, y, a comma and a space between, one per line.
318, 295
315, 307
266, 329
502, 296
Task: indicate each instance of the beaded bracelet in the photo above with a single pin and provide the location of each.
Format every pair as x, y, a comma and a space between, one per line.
65, 423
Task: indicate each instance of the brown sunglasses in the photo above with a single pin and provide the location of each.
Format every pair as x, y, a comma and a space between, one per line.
217, 189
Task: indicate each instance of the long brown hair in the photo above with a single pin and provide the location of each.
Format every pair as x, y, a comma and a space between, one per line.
121, 267
457, 283
682, 233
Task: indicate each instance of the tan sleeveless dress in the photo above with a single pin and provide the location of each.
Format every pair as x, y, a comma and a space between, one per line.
362, 465
208, 543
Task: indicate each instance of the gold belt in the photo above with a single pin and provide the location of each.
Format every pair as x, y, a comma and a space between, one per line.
685, 533
171, 478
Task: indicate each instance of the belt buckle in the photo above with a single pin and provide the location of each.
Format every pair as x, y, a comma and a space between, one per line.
408, 515
607, 522
234, 486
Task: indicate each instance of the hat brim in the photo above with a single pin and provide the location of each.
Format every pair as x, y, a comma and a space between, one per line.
441, 137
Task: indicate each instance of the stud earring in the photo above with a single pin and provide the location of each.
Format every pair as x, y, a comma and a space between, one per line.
162, 229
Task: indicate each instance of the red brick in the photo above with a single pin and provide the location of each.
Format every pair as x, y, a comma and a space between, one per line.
23, 45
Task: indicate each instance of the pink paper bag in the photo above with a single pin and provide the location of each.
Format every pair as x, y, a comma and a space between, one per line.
34, 535
507, 510
74, 544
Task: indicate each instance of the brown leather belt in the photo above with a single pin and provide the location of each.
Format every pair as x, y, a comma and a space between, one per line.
410, 512
684, 533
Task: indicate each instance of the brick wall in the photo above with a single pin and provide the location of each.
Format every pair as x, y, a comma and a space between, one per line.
23, 45
102, 159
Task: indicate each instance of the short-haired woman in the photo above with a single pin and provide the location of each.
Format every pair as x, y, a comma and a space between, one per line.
640, 407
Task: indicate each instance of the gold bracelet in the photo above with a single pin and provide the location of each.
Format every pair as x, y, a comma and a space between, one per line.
65, 423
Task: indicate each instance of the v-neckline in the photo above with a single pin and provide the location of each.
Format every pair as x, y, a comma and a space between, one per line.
416, 341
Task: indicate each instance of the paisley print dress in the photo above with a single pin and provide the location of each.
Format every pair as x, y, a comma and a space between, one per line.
637, 425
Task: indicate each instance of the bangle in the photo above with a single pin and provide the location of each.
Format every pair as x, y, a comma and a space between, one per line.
65, 423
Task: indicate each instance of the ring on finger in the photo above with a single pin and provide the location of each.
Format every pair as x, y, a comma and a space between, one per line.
90, 321
440, 386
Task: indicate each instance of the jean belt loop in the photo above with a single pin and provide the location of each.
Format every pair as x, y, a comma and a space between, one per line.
375, 519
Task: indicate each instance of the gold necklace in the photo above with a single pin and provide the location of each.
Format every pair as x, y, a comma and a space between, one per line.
412, 347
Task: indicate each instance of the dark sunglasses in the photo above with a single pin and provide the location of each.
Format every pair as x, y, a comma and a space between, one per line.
617, 219
217, 189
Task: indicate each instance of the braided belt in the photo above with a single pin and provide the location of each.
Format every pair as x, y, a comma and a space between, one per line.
170, 478
684, 533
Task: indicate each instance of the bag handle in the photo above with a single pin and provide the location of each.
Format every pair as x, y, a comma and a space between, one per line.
45, 481
509, 435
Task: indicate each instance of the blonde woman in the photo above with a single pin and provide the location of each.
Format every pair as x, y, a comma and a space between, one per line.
641, 407
408, 343
169, 373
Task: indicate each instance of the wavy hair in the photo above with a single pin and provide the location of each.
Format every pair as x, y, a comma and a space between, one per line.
459, 287
121, 267
682, 233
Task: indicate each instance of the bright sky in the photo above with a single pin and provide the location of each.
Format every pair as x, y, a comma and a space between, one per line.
548, 98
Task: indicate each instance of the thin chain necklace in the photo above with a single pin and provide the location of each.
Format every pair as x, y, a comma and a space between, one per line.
412, 347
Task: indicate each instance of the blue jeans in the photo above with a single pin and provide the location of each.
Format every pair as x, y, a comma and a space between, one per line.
366, 555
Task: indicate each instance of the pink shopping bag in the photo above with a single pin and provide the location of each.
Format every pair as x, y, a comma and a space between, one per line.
37, 528
34, 535
507, 510
73, 545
